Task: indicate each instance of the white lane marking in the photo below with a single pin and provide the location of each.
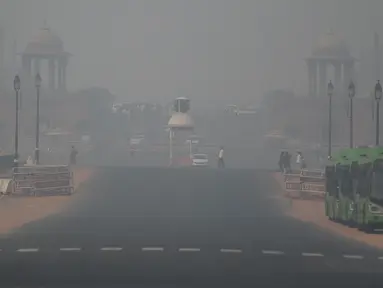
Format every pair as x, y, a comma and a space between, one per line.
231, 250
273, 252
189, 249
152, 249
380, 258
353, 257
111, 249
312, 254
25, 250
70, 249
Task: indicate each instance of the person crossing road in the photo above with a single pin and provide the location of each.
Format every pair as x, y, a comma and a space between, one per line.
73, 156
221, 162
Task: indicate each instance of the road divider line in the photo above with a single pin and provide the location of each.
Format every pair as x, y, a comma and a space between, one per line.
111, 248
70, 249
189, 249
28, 250
273, 252
380, 258
357, 257
312, 254
231, 250
147, 249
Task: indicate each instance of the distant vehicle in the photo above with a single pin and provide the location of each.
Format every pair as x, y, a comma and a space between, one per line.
136, 140
194, 139
200, 160
135, 143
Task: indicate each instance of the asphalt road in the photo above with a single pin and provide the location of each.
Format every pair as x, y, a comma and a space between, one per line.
152, 225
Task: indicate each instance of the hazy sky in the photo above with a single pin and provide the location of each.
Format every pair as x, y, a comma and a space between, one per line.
208, 50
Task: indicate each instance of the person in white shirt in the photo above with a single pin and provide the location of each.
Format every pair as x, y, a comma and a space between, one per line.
221, 163
29, 161
301, 161
299, 158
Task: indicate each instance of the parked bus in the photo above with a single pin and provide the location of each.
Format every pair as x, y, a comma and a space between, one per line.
354, 188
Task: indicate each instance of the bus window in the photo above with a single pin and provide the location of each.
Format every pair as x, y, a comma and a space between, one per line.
331, 181
344, 179
377, 180
364, 180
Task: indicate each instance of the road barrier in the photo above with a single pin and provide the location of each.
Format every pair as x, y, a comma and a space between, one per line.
35, 180
305, 184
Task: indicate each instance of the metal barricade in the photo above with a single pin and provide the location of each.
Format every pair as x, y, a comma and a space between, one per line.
305, 184
292, 176
313, 189
35, 180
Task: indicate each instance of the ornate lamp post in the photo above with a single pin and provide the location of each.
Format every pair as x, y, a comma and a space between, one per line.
378, 97
351, 95
37, 148
330, 92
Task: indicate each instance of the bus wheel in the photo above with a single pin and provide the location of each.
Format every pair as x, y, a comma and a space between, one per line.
367, 228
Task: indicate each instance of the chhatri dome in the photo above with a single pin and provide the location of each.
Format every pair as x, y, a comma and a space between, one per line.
180, 121
46, 46
329, 45
45, 42
329, 51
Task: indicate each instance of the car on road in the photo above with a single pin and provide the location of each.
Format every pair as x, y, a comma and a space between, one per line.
200, 160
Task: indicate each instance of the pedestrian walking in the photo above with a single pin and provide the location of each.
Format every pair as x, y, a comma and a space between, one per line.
280, 162
73, 156
221, 162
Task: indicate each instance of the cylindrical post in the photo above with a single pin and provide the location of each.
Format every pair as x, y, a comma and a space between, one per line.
351, 124
37, 149
329, 124
170, 146
190, 149
377, 124
16, 158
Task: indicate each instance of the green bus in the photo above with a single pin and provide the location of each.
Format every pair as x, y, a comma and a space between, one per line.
354, 188
369, 204
341, 182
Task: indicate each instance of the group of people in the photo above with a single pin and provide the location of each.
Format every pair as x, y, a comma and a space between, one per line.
284, 162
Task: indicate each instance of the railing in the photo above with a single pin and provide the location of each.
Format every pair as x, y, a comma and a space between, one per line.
305, 184
35, 180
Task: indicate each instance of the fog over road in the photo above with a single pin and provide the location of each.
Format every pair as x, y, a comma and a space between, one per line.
143, 223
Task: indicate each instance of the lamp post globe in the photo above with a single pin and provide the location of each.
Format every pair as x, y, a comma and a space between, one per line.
16, 83
351, 90
330, 88
378, 91
38, 80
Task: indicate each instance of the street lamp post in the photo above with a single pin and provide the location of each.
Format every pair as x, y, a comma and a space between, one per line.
378, 96
16, 86
37, 147
171, 146
351, 95
330, 91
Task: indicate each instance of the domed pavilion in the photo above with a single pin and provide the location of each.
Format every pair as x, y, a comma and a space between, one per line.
334, 52
47, 46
